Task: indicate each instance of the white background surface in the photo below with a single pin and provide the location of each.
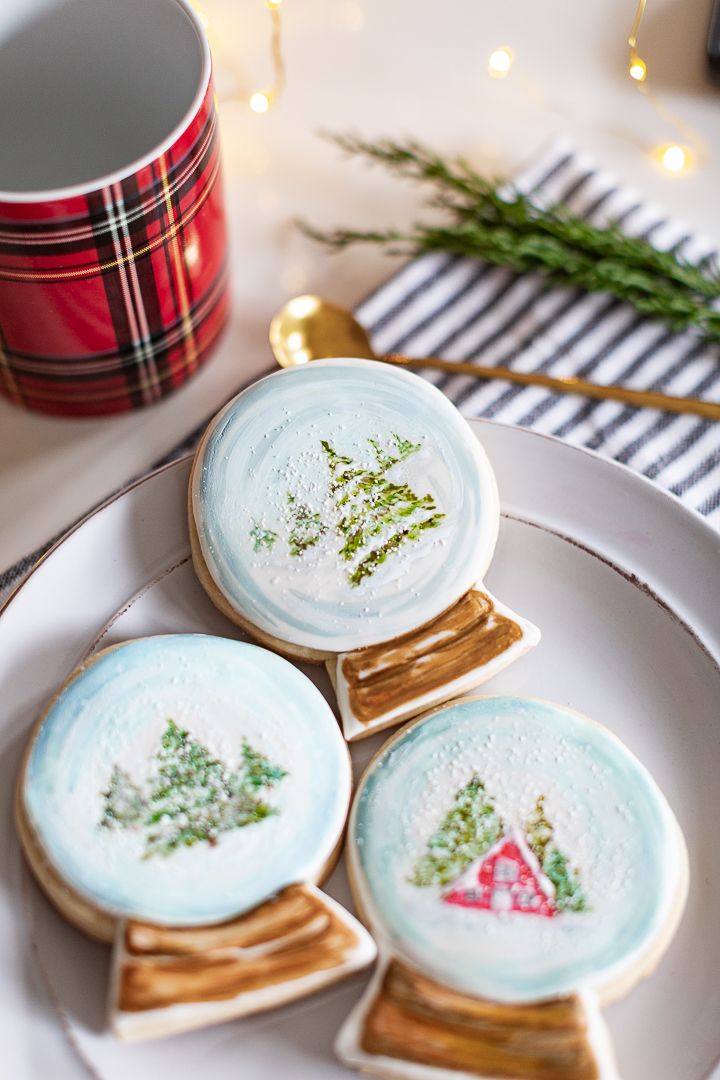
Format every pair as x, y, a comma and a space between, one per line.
409, 67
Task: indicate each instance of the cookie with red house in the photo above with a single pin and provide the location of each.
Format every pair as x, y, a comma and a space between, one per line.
519, 868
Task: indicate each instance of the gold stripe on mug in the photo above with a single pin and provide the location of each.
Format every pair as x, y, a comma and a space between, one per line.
109, 395
113, 264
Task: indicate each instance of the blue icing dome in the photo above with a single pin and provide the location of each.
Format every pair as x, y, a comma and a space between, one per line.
343, 504
516, 850
185, 779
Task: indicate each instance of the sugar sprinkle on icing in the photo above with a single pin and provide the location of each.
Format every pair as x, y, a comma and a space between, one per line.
343, 504
492, 812
260, 738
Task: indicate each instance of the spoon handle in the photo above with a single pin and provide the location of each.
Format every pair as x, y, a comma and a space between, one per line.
649, 399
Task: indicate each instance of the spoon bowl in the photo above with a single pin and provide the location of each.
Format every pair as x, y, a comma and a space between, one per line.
309, 328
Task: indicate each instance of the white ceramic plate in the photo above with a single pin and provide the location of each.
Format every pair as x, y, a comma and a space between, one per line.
625, 584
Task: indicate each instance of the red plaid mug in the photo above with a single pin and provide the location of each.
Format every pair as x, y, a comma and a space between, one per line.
113, 286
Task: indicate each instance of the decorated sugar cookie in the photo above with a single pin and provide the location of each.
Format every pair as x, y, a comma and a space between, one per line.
344, 512
182, 796
517, 865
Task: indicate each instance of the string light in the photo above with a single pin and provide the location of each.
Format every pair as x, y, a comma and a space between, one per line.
638, 70
673, 157
500, 61
261, 100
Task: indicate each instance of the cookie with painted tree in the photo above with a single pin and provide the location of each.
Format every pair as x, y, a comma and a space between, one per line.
181, 798
519, 868
345, 513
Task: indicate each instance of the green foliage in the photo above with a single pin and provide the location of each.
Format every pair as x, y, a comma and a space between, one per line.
191, 796
367, 505
123, 802
538, 830
258, 771
367, 566
490, 221
371, 505
540, 836
334, 459
263, 538
468, 830
568, 894
383, 505
403, 447
306, 526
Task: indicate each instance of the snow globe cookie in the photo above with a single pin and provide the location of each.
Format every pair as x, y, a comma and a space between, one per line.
345, 513
181, 797
518, 867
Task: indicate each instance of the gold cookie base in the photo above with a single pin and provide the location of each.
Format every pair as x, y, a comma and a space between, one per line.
168, 979
382, 685
409, 1026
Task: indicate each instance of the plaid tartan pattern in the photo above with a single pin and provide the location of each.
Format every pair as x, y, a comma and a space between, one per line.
111, 300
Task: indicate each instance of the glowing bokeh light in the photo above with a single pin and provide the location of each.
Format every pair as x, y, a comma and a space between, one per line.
260, 102
638, 70
500, 61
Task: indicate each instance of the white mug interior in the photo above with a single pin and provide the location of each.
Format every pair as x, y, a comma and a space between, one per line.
90, 89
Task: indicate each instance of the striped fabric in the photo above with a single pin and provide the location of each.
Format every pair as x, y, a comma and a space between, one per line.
464, 310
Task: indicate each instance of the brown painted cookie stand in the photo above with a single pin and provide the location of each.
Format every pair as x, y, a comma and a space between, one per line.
167, 979
381, 685
408, 1019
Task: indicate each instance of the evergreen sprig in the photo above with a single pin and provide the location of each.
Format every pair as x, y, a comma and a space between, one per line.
492, 221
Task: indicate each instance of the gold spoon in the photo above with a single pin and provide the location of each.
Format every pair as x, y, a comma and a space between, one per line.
309, 328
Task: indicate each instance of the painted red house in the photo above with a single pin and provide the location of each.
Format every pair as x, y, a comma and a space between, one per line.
508, 877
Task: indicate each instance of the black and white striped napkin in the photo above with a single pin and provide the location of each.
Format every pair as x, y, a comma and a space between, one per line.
463, 309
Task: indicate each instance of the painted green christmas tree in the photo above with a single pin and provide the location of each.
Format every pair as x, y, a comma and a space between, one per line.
366, 505
123, 801
262, 538
540, 836
370, 504
190, 796
306, 526
466, 831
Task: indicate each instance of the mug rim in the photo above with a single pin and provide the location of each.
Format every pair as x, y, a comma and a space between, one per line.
71, 191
